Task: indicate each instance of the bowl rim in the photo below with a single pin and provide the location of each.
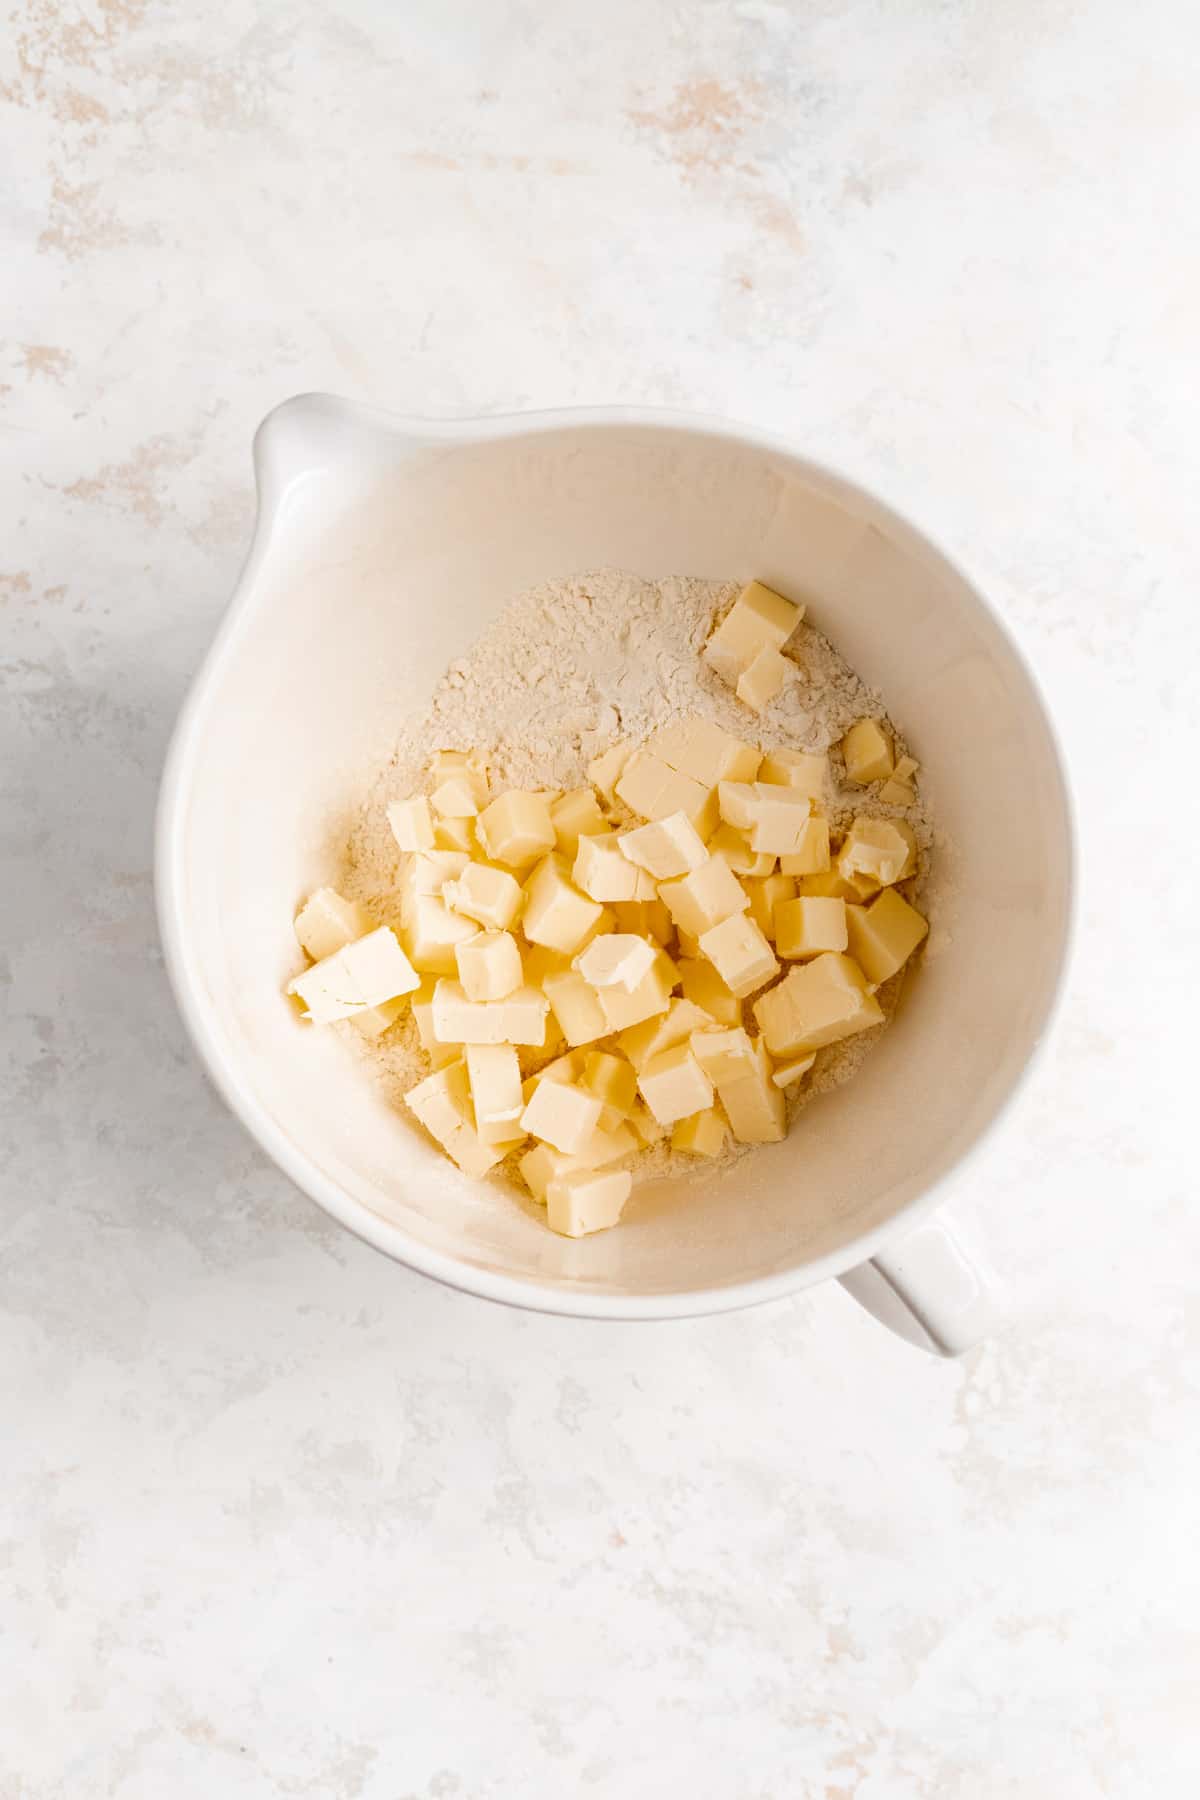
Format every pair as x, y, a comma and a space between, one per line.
170, 818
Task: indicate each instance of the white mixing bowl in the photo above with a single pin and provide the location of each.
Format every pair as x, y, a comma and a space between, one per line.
383, 547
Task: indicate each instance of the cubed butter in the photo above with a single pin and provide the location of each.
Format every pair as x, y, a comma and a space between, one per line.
442, 1103
883, 851
459, 796
432, 934
644, 918
562, 1115
645, 1126
778, 819
411, 823
665, 847
327, 922
368, 972
612, 1079
587, 1200
556, 914
489, 965
516, 828
653, 790
491, 897
373, 1021
642, 1042
605, 771
455, 834
703, 1134
819, 1002
705, 988
520, 1018
625, 1007
759, 619
602, 872
444, 763
765, 896
762, 679
698, 748
542, 1165
740, 954
811, 855
787, 1074
705, 897
724, 1055
734, 846
494, 1075
867, 752
806, 926
827, 884
884, 934
617, 960
673, 1085
806, 770
577, 1008
755, 1107
575, 815
439, 1054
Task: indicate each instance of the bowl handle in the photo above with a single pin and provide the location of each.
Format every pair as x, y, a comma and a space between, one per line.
930, 1290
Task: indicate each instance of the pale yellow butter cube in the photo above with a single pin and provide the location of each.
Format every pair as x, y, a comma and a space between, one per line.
867, 752
828, 885
653, 790
762, 680
605, 771
702, 750
459, 796
808, 925
373, 1021
543, 1164
489, 965
516, 828
652, 995
705, 988
703, 1134
442, 1103
806, 770
612, 1080
673, 1085
366, 973
556, 914
689, 944
587, 1200
575, 815
494, 1075
704, 898
765, 896
811, 855
789, 1073
819, 1002
603, 873
644, 918
880, 851
724, 1055
734, 846
665, 847
577, 1008
411, 823
455, 834
617, 960
779, 819
884, 935
760, 619
561, 1115
439, 1054
735, 803
641, 1042
645, 1126
755, 1107
520, 1018
327, 922
740, 954
540, 963
432, 934
490, 896
426, 874
445, 763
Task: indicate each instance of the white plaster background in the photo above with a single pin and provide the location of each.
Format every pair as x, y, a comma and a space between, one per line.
282, 1519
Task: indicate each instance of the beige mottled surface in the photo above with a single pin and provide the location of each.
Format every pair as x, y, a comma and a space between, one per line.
281, 1519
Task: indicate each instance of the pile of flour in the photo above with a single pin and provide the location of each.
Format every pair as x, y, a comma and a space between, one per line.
564, 672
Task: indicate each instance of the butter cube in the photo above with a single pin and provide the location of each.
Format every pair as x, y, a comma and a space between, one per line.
327, 922
444, 763
760, 619
811, 855
489, 965
516, 828
617, 960
704, 1134
807, 926
806, 770
735, 803
867, 752
704, 898
366, 973
673, 1085
653, 790
455, 834
642, 1042
556, 914
882, 851
884, 935
905, 769
689, 945
494, 1075
789, 1073
765, 896
762, 679
489, 896
724, 1055
755, 1107
439, 1054
605, 771
567, 1067
652, 995
734, 846
818, 1003
612, 1080
587, 1200
442, 1103
432, 934
829, 885
561, 1115
604, 873
644, 918
665, 847
779, 819
577, 1008
411, 823
740, 954
698, 748
542, 1165
459, 796
646, 1127
573, 816
705, 988
520, 1018
373, 1021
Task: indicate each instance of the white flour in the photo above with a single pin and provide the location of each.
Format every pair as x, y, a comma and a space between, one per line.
567, 670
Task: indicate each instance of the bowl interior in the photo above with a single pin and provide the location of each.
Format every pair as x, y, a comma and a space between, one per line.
379, 557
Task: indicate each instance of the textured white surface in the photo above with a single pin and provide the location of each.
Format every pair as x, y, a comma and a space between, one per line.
283, 1519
